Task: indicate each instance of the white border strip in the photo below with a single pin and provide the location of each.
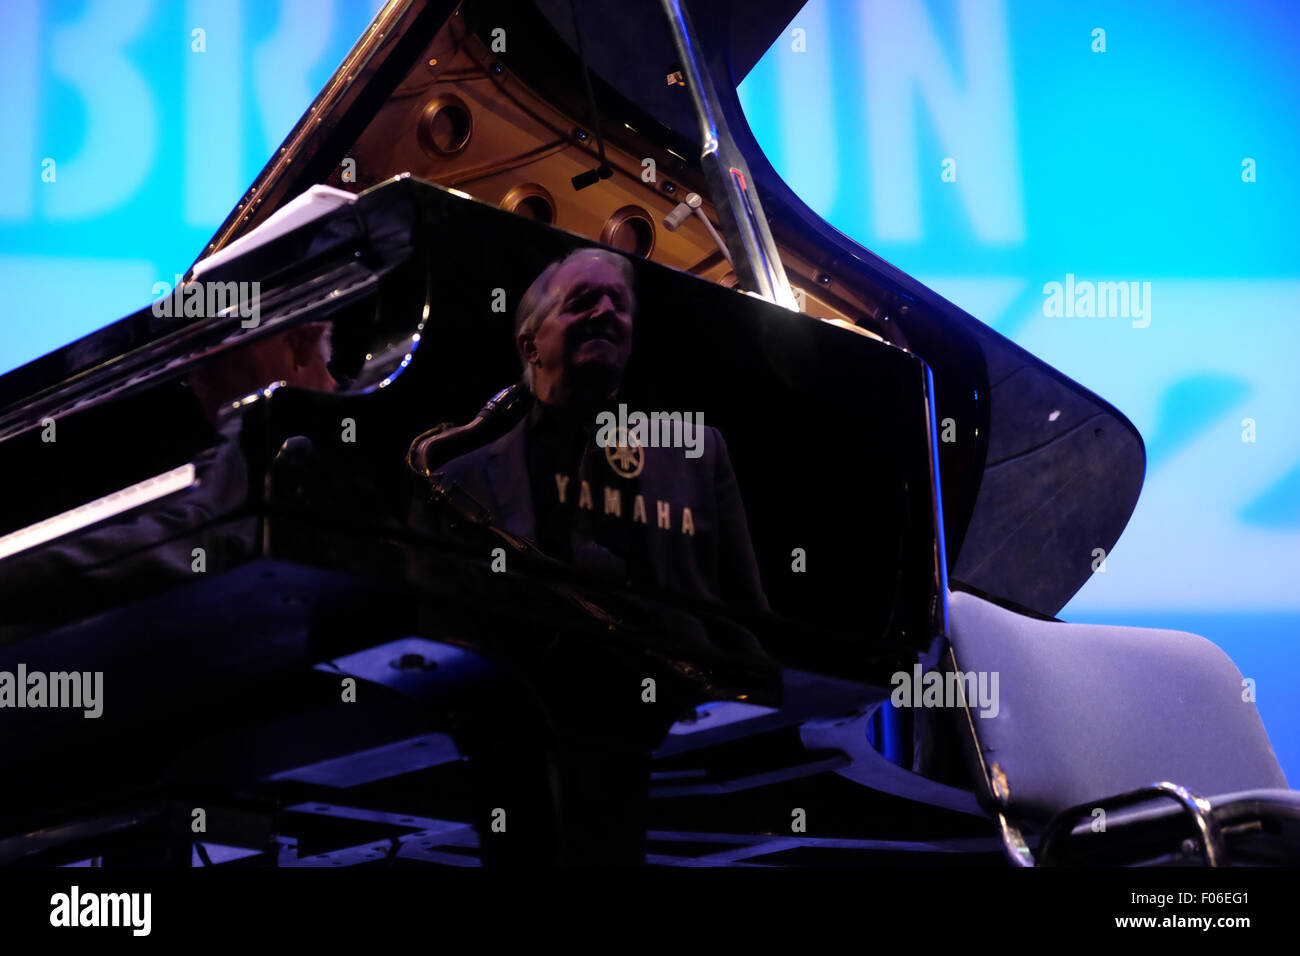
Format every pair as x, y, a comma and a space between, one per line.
151, 489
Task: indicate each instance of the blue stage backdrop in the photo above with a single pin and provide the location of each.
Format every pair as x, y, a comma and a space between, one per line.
993, 148
989, 147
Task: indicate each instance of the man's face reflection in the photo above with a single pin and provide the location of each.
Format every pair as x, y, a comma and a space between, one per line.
579, 351
298, 356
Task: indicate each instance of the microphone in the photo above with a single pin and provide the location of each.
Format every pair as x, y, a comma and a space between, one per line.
682, 212
693, 204
290, 466
591, 177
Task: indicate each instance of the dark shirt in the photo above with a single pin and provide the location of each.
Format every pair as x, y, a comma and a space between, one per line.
561, 445
678, 524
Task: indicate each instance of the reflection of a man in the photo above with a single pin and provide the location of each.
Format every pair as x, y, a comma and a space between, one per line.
299, 356
153, 548
572, 755
669, 520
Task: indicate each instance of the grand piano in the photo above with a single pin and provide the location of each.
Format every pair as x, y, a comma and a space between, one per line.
251, 654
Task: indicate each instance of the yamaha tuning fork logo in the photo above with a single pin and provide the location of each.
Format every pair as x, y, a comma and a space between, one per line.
626, 456
625, 436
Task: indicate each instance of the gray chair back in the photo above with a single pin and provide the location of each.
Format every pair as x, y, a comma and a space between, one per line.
1088, 711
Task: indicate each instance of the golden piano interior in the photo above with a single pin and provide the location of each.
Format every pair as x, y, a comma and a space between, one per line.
462, 119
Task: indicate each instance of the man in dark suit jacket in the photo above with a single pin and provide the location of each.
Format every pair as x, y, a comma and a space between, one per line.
640, 511
683, 520
629, 511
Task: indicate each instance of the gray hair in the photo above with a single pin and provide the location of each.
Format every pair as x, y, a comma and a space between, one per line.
541, 299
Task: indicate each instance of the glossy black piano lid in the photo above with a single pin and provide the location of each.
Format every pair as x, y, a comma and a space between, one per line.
827, 429
1044, 472
119, 398
1020, 521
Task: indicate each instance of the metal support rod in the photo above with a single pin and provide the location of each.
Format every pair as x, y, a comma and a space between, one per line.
753, 252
